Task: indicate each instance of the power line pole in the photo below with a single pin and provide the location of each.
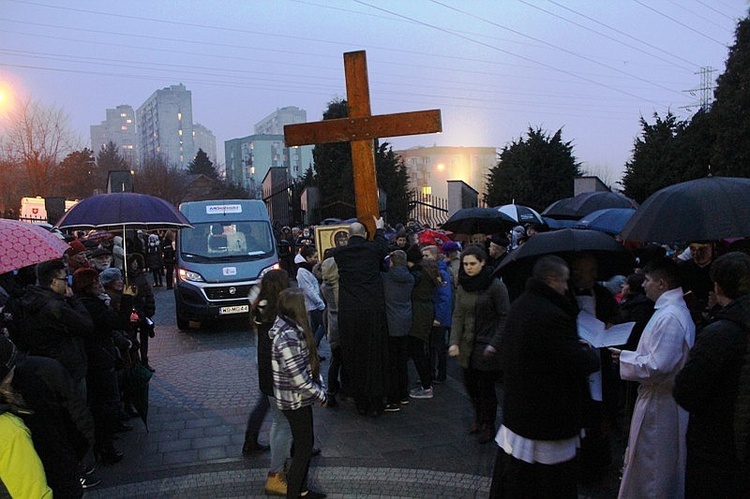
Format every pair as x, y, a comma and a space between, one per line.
705, 92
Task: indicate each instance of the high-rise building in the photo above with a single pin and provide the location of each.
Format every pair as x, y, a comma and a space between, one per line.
430, 168
248, 159
165, 126
273, 124
206, 140
119, 127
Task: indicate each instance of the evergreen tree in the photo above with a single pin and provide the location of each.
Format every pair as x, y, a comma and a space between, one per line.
667, 152
201, 165
109, 159
393, 179
535, 171
78, 176
333, 165
730, 113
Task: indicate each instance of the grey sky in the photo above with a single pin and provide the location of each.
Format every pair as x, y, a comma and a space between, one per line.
494, 67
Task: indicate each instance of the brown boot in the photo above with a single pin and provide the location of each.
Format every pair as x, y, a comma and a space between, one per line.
276, 484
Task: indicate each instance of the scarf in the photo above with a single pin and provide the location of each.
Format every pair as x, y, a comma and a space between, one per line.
479, 282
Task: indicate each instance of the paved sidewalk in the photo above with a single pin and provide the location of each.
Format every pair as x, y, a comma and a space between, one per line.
203, 390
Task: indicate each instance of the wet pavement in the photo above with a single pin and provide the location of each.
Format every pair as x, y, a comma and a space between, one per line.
203, 390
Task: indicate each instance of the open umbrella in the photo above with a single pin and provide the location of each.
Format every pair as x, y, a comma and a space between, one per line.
478, 220
521, 214
23, 244
706, 209
609, 220
121, 211
581, 205
611, 256
433, 237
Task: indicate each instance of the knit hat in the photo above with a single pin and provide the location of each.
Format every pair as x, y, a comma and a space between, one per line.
109, 275
8, 355
450, 246
83, 278
299, 259
76, 247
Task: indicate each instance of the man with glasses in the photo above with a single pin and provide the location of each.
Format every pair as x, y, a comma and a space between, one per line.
48, 321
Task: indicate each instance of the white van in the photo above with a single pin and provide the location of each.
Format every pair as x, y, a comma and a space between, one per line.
228, 250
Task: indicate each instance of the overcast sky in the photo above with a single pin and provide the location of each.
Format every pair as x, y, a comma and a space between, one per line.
494, 67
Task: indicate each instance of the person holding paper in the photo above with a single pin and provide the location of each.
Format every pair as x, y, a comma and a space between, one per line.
600, 411
656, 454
545, 367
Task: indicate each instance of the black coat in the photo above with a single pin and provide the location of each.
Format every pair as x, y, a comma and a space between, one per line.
545, 366
61, 426
714, 386
101, 351
359, 264
54, 326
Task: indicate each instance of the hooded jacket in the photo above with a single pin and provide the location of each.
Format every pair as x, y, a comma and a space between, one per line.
714, 387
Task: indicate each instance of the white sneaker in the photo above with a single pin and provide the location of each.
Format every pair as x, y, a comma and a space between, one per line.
421, 393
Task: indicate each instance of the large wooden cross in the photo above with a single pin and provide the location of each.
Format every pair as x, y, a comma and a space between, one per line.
361, 128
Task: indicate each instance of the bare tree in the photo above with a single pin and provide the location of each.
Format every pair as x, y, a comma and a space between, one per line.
157, 178
37, 139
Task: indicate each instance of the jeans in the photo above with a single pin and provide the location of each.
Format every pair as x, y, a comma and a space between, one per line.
256, 417
418, 353
438, 352
301, 422
398, 356
280, 438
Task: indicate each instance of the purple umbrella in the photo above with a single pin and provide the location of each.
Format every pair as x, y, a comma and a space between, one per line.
121, 211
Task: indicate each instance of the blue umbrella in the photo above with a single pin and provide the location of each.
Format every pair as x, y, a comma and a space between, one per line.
609, 220
120, 210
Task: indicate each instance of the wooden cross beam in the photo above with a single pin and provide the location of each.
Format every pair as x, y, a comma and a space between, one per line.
361, 128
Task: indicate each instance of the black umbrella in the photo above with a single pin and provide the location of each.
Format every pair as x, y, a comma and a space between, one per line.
479, 220
706, 209
581, 205
612, 257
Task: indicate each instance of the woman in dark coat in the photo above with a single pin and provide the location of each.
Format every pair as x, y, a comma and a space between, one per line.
101, 378
479, 315
144, 304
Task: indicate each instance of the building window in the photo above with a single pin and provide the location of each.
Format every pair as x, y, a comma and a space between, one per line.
427, 190
124, 127
179, 116
179, 132
128, 121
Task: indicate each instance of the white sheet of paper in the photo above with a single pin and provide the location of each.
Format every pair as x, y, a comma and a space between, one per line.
592, 330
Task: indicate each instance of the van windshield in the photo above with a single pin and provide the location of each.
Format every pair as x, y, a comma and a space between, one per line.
226, 241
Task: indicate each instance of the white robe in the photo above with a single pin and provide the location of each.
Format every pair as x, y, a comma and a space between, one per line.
655, 457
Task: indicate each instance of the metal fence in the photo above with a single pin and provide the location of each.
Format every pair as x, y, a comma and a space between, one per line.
427, 209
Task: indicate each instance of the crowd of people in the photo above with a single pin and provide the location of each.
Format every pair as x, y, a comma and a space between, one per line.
677, 391
73, 329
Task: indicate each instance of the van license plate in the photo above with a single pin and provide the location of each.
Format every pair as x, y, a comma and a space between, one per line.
237, 309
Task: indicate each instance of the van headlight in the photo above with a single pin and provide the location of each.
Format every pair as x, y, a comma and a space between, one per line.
266, 270
189, 275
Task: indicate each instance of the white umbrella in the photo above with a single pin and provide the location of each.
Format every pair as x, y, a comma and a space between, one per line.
521, 214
